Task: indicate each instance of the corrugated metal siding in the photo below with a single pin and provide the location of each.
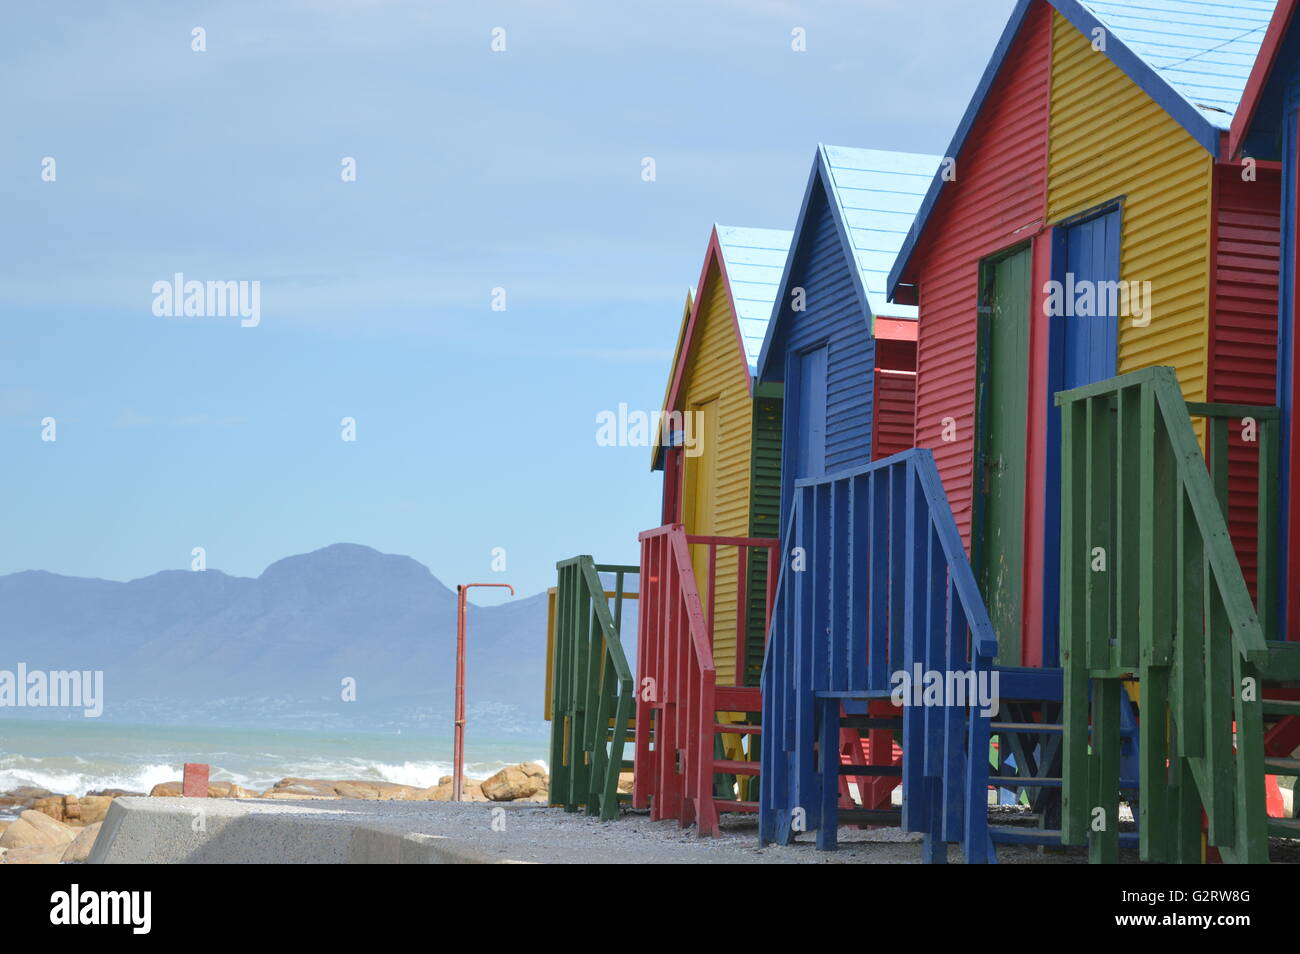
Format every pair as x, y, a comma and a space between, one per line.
715, 370
833, 317
765, 479
996, 201
1109, 139
1243, 364
849, 398
765, 509
895, 412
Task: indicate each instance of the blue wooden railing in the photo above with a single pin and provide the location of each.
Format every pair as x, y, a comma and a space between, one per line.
874, 581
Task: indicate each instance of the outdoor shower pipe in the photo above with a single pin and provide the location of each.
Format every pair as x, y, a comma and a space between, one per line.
458, 749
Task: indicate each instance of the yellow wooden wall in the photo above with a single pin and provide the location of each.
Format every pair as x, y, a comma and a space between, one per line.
1110, 139
715, 371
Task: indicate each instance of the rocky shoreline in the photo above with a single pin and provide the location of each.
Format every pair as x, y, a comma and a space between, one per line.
52, 828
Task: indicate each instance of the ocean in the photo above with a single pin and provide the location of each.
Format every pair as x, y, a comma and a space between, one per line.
77, 756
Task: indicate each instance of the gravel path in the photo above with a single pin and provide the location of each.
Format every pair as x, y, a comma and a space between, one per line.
154, 830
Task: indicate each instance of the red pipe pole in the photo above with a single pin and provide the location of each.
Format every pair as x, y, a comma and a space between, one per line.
458, 745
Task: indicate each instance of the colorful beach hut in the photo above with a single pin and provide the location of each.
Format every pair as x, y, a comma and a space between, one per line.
844, 353
1113, 125
705, 590
1127, 240
846, 358
1091, 270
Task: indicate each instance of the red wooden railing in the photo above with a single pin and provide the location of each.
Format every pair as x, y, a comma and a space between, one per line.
678, 693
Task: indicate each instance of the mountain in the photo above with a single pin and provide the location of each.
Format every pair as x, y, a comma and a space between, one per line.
209, 647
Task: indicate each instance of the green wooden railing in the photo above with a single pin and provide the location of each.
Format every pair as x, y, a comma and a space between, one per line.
591, 688
1266, 422
1152, 592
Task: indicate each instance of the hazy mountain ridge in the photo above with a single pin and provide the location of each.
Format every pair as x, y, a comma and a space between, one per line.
209, 646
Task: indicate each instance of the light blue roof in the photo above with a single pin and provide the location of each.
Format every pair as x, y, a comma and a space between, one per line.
754, 259
1204, 49
878, 194
1193, 57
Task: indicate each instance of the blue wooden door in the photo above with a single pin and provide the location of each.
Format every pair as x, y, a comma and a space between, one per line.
1091, 341
810, 433
1084, 348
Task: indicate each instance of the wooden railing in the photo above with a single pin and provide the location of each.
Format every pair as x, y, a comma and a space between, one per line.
1264, 422
1151, 590
679, 695
874, 582
590, 688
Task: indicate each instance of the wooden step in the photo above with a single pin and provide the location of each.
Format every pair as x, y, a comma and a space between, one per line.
737, 699
1011, 835
1285, 707
1044, 728
854, 695
731, 805
1279, 766
734, 767
1283, 662
884, 771
737, 728
1284, 827
870, 722
1009, 781
1030, 684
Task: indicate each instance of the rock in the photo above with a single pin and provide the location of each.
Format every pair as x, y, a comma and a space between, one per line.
23, 792
227, 790
113, 793
312, 788
35, 829
56, 806
24, 795
378, 791
215, 790
32, 856
471, 791
72, 810
272, 793
78, 849
516, 782
346, 788
625, 782
93, 808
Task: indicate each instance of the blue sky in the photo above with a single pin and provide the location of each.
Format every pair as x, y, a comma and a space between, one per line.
475, 170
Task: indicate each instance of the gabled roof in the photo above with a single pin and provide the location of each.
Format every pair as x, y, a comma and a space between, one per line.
1202, 49
753, 259
749, 263
873, 196
1258, 87
1192, 57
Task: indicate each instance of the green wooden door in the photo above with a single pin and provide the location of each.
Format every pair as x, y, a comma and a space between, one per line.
1000, 466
